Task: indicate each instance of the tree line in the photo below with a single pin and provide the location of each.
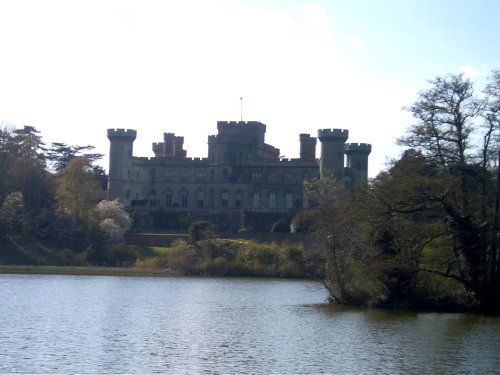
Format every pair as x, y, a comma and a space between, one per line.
54, 195
423, 233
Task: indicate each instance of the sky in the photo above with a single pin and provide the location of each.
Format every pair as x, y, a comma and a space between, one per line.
73, 69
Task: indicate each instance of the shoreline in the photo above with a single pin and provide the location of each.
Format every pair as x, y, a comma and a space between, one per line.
84, 271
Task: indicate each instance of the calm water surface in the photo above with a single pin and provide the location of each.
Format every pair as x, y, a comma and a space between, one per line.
108, 324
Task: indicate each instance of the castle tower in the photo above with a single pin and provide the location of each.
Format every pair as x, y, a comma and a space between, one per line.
237, 142
168, 139
332, 152
170, 147
120, 162
307, 147
179, 147
357, 162
159, 149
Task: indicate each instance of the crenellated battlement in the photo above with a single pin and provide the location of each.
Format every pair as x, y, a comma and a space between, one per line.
228, 138
162, 161
116, 134
330, 134
240, 124
361, 148
305, 137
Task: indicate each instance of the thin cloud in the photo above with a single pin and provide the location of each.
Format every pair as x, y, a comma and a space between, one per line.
357, 41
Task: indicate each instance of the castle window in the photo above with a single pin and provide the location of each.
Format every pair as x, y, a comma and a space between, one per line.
184, 200
256, 176
273, 176
185, 174
256, 200
127, 194
288, 200
288, 175
168, 200
200, 175
272, 200
128, 173
199, 199
212, 175
152, 202
225, 199
169, 175
224, 174
237, 202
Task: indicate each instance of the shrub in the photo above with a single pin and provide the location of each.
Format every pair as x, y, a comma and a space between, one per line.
112, 256
200, 230
281, 226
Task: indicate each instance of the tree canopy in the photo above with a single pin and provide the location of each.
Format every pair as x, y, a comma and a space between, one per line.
424, 233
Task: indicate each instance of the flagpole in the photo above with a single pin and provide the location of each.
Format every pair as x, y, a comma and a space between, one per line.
241, 107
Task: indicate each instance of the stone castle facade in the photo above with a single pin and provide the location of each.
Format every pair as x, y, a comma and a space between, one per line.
242, 182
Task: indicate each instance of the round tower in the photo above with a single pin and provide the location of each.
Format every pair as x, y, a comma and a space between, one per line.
120, 162
332, 152
357, 162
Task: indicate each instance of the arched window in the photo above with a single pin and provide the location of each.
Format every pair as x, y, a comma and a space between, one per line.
224, 199
272, 200
288, 200
168, 198
199, 199
238, 199
256, 200
184, 199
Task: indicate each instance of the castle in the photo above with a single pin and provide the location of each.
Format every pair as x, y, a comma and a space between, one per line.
242, 183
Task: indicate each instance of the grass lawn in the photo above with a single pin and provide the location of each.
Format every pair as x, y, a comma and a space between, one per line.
72, 270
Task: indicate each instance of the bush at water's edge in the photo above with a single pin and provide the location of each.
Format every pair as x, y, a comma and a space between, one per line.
235, 257
213, 256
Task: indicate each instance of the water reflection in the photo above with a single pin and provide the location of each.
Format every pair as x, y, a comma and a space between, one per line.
95, 324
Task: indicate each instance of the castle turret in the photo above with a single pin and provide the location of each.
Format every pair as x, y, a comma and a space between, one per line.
357, 162
168, 148
238, 142
332, 152
159, 149
179, 147
171, 146
307, 147
120, 161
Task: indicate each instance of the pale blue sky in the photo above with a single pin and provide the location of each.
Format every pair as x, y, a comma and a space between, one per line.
73, 69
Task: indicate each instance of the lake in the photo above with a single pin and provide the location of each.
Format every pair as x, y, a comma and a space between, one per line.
181, 325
